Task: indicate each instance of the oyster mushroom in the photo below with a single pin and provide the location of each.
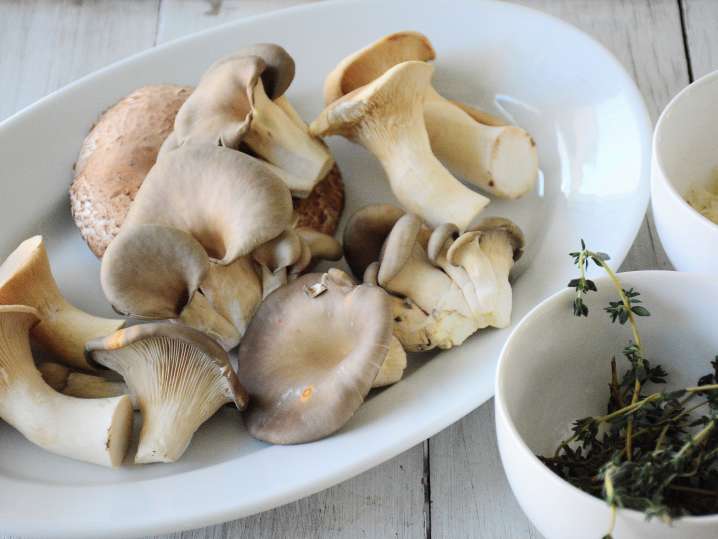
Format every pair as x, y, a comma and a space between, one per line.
79, 384
386, 117
180, 378
405, 270
26, 279
227, 200
479, 262
412, 326
233, 104
311, 355
274, 257
499, 158
234, 290
153, 272
96, 431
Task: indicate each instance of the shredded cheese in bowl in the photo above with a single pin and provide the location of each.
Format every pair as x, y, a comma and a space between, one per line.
705, 198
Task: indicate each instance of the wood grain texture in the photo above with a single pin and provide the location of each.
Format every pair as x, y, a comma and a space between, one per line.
469, 497
387, 501
701, 26
46, 44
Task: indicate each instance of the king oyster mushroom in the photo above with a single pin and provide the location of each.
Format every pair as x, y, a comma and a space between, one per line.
26, 279
233, 104
180, 378
153, 272
310, 356
96, 431
499, 158
386, 116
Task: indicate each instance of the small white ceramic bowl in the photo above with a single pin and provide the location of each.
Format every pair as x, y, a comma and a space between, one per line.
685, 152
555, 368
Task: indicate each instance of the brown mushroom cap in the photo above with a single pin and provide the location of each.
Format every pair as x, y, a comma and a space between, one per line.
152, 271
515, 234
228, 201
364, 235
116, 156
371, 62
308, 362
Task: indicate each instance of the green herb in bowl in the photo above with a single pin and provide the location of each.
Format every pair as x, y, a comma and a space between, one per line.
653, 451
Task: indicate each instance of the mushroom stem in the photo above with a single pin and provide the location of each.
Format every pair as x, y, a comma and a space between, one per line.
386, 117
26, 279
82, 385
200, 315
501, 160
277, 138
393, 367
95, 431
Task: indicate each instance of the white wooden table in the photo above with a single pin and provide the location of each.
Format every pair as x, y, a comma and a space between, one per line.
452, 485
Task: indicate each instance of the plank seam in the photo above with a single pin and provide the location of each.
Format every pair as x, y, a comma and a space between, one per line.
426, 482
684, 34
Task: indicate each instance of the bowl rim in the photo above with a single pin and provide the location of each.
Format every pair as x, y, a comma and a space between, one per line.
709, 78
518, 441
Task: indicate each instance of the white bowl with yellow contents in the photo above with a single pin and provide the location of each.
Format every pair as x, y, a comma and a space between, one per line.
685, 164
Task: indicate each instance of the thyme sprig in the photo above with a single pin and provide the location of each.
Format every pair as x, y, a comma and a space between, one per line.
650, 452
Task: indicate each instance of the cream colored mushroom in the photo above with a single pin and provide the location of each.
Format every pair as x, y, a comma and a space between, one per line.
82, 385
386, 117
311, 355
499, 158
412, 326
274, 259
233, 104
234, 290
180, 378
405, 269
480, 261
228, 201
26, 279
154, 271
96, 431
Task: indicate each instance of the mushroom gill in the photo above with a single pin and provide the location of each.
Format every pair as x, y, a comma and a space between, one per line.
180, 378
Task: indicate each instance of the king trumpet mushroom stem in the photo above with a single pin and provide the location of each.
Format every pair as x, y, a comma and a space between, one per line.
26, 279
501, 159
154, 272
180, 377
386, 117
90, 430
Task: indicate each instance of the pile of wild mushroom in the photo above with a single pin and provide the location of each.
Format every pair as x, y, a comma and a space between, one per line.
207, 216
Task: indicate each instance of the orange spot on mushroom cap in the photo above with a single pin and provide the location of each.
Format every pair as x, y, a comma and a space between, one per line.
307, 393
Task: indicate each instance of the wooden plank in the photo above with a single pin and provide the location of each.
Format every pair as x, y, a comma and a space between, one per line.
701, 22
387, 501
468, 488
182, 17
46, 44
